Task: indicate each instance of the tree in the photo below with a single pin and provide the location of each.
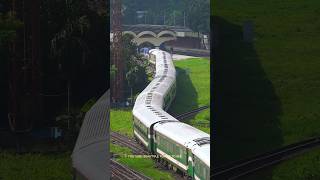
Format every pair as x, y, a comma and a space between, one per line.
136, 76
8, 26
158, 10
69, 40
77, 36
172, 11
198, 15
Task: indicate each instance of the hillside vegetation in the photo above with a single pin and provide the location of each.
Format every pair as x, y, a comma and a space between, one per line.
267, 92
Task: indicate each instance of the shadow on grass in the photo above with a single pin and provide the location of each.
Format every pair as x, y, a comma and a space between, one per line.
186, 96
3, 96
246, 108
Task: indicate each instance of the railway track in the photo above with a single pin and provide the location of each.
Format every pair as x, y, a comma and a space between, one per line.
121, 172
247, 166
122, 140
188, 114
137, 150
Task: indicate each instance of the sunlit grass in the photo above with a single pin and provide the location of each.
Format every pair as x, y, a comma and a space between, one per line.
193, 90
283, 61
143, 165
35, 166
121, 121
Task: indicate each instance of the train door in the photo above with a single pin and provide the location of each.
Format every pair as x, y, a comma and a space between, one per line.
152, 139
190, 163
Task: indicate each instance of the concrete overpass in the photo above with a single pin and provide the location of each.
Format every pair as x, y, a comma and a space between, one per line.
172, 36
155, 34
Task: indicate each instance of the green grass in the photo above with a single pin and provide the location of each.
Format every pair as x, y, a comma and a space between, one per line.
119, 150
35, 166
193, 90
267, 92
121, 121
304, 166
145, 166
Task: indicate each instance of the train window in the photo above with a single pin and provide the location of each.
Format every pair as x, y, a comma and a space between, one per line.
163, 141
172, 147
163, 145
167, 143
203, 172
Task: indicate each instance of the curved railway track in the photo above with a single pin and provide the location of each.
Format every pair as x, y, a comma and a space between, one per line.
121, 172
247, 166
125, 141
137, 149
188, 114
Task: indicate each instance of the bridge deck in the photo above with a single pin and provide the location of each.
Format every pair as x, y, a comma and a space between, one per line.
154, 28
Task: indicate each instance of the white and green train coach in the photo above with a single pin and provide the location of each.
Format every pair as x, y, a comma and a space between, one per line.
181, 146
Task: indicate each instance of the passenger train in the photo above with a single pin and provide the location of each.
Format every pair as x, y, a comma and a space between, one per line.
184, 147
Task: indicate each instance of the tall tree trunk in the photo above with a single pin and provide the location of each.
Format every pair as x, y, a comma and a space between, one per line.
35, 23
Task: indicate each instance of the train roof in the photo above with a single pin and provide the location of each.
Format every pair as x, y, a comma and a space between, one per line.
160, 73
154, 92
150, 85
154, 99
163, 86
164, 64
153, 50
180, 132
90, 156
150, 115
203, 153
158, 82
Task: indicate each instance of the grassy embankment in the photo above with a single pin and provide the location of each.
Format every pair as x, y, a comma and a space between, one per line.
269, 91
35, 166
193, 82
193, 91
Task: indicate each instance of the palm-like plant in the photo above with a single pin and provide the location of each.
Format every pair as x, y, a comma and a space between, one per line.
68, 45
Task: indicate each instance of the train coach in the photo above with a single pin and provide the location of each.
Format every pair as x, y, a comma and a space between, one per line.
184, 146
180, 145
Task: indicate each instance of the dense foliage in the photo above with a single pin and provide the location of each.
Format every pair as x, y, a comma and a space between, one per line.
73, 50
169, 12
135, 66
75, 37
8, 26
